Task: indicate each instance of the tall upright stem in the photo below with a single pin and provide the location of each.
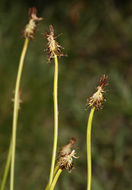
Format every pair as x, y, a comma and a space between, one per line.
55, 179
89, 162
15, 112
55, 94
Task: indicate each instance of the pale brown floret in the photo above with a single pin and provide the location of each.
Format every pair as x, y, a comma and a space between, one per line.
67, 161
66, 155
97, 99
67, 148
53, 47
30, 28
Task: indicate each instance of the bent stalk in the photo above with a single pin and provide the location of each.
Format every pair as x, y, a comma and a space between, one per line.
55, 179
55, 171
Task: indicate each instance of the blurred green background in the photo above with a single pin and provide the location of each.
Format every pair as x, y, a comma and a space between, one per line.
97, 36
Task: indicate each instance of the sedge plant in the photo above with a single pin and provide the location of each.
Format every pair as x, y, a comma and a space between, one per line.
11, 153
54, 50
28, 33
66, 154
95, 102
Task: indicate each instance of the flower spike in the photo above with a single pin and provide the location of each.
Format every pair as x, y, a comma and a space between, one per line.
66, 155
53, 47
97, 99
30, 28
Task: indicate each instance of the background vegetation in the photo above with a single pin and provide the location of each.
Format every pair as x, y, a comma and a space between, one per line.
97, 36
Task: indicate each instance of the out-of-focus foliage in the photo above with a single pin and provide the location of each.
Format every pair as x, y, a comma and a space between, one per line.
97, 36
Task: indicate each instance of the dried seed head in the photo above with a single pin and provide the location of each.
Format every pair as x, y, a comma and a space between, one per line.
30, 28
98, 98
66, 155
53, 46
67, 148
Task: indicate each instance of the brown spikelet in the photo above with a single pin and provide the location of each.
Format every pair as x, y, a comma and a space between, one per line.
66, 155
103, 81
30, 28
97, 99
72, 141
32, 12
53, 47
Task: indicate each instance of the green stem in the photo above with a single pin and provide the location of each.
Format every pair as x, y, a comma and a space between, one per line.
55, 170
55, 120
15, 112
89, 164
55, 179
7, 166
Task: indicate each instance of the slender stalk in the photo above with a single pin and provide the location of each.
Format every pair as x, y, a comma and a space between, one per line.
55, 94
89, 164
55, 179
7, 166
15, 112
55, 170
